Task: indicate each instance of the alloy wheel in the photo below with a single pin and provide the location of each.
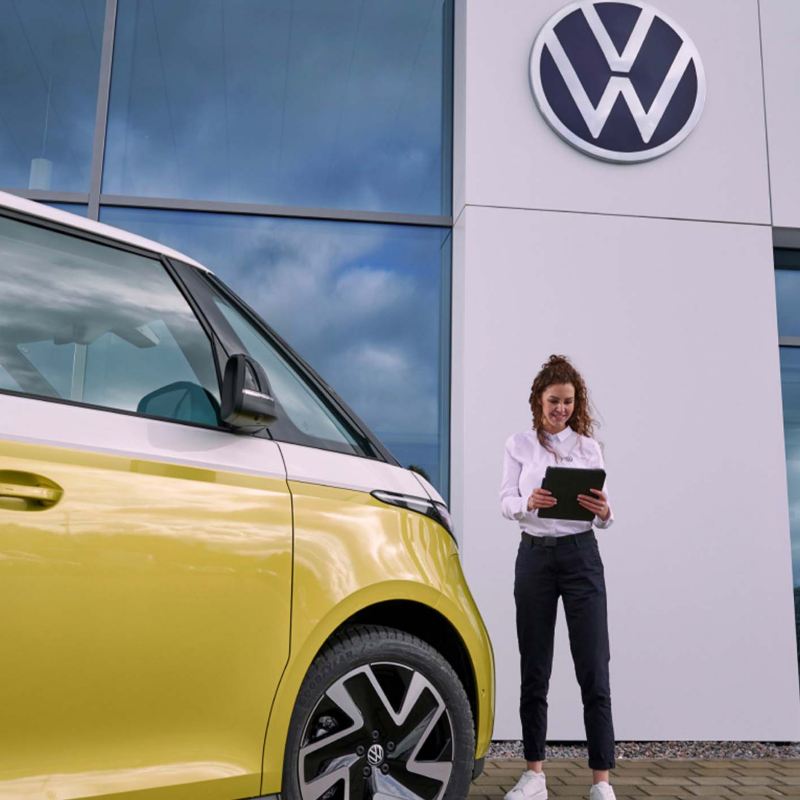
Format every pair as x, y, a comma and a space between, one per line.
380, 732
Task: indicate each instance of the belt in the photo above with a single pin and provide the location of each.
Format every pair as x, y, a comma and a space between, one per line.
555, 541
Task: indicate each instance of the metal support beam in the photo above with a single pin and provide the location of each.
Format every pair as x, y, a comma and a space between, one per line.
101, 118
259, 209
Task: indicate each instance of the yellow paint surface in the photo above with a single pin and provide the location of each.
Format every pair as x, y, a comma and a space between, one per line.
144, 626
146, 620
352, 551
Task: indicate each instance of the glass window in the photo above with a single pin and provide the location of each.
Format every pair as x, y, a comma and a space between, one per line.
92, 324
367, 305
293, 102
73, 208
787, 282
8, 382
50, 63
303, 418
790, 382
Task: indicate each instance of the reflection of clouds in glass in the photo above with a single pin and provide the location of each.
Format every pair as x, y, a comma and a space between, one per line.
61, 291
76, 298
301, 102
7, 382
788, 293
391, 380
793, 480
297, 275
372, 290
360, 302
796, 560
50, 62
358, 325
790, 380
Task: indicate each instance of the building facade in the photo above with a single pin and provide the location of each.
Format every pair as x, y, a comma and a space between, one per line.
376, 178
658, 279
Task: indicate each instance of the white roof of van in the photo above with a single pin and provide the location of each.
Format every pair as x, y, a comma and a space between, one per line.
82, 223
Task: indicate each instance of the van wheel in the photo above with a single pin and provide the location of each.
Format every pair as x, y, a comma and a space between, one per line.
382, 715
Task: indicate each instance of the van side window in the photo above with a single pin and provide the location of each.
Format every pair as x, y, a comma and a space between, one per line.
88, 323
304, 418
8, 382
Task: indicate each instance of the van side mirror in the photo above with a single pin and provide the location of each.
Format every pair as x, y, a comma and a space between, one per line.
247, 401
182, 401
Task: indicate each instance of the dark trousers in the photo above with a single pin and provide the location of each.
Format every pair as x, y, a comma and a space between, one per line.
570, 568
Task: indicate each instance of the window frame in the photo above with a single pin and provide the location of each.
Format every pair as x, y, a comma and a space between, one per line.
197, 284
163, 261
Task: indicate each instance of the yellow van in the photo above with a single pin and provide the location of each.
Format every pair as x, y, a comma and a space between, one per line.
214, 581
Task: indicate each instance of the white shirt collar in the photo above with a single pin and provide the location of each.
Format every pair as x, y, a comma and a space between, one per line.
562, 436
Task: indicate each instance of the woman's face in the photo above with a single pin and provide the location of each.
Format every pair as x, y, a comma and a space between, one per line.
558, 403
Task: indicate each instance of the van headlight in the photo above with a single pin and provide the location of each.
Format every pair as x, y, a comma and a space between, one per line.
422, 505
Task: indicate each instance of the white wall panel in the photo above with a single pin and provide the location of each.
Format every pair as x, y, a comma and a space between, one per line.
673, 325
780, 21
514, 159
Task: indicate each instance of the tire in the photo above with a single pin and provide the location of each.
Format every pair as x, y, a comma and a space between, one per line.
382, 715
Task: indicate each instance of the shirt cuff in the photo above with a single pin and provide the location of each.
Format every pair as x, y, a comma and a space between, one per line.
523, 508
598, 523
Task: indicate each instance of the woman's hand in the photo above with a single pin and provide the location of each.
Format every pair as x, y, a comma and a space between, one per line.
541, 498
598, 505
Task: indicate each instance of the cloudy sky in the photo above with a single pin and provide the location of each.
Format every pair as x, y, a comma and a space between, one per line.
49, 67
790, 378
301, 102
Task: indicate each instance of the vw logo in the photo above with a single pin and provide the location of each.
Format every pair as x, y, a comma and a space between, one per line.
375, 755
618, 80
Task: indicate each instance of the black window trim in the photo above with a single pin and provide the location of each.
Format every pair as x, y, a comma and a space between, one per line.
786, 258
217, 347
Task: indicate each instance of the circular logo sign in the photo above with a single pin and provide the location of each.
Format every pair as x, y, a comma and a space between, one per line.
375, 755
617, 80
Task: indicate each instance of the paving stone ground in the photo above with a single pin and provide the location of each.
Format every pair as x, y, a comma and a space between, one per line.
752, 779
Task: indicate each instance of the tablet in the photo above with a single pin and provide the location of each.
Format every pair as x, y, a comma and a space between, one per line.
566, 483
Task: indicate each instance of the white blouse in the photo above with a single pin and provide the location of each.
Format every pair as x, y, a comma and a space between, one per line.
524, 465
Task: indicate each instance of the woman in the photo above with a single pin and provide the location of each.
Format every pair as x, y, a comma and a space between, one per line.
559, 558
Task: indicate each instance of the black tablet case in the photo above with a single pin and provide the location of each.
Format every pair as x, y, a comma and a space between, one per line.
566, 483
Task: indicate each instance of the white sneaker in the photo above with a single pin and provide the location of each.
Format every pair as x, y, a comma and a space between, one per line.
602, 791
531, 786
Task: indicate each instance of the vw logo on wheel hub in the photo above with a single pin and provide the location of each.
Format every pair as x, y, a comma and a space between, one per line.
618, 80
375, 755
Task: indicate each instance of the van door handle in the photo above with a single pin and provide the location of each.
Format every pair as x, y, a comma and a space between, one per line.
26, 491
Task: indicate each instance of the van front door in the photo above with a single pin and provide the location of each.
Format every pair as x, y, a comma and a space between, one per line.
145, 563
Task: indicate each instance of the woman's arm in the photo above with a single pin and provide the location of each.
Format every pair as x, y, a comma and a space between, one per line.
512, 504
598, 501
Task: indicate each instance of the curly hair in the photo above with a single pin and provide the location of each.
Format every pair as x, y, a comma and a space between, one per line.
558, 369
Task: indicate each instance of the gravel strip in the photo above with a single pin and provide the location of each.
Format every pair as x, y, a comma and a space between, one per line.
657, 750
